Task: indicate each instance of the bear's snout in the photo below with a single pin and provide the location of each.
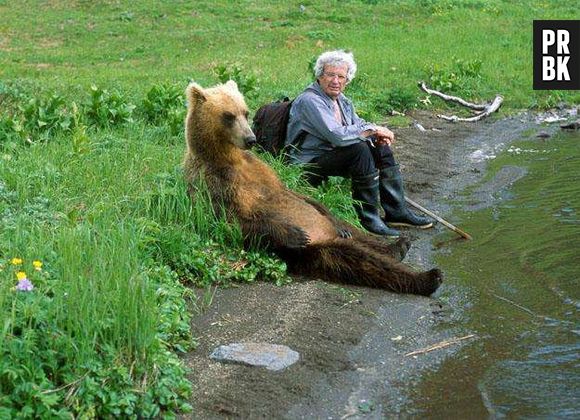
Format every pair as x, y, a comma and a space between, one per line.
250, 141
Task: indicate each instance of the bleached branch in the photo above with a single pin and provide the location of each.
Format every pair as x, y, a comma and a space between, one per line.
485, 109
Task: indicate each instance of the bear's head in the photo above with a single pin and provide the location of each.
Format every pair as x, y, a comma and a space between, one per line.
218, 114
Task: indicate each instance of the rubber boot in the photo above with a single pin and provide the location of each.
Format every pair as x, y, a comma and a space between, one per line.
365, 193
393, 201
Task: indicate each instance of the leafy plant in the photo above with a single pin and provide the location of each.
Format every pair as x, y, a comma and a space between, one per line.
546, 99
395, 99
46, 116
164, 105
247, 83
11, 131
106, 108
462, 76
203, 263
174, 320
10, 93
360, 85
126, 16
324, 35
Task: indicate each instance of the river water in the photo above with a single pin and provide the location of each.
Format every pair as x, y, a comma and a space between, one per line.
516, 287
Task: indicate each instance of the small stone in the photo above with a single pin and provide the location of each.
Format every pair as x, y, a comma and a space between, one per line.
419, 127
271, 356
543, 135
571, 126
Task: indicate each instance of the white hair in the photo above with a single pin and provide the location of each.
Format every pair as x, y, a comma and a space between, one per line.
336, 58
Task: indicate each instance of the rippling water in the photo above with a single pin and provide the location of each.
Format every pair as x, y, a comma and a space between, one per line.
517, 287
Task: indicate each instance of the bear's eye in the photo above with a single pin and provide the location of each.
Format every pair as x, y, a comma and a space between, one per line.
228, 119
246, 114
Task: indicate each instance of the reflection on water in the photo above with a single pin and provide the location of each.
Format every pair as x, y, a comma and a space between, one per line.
517, 286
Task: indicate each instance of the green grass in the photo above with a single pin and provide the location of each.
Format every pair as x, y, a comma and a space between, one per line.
135, 45
91, 142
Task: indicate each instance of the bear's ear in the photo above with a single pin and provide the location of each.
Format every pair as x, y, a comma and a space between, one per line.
232, 84
195, 94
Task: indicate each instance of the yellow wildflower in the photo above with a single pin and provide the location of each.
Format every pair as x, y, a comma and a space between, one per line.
37, 265
16, 261
21, 275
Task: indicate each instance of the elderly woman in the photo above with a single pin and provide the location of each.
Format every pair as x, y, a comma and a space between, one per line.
325, 133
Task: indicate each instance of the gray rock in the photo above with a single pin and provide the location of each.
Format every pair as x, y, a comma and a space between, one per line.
571, 126
270, 356
543, 135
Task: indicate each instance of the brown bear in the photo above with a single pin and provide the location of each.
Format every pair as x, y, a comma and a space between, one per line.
297, 228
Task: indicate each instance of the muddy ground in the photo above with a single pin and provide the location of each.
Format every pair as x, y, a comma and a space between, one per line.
352, 341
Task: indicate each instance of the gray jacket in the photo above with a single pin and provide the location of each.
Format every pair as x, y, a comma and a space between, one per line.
312, 113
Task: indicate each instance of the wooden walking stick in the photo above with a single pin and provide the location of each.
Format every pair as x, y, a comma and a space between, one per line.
439, 219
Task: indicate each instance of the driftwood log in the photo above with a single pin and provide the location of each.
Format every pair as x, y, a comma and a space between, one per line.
483, 110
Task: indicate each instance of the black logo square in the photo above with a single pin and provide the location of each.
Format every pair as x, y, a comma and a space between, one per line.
557, 54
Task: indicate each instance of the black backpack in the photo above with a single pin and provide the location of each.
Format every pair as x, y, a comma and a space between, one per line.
269, 125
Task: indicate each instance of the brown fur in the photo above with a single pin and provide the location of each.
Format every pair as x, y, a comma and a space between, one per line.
300, 230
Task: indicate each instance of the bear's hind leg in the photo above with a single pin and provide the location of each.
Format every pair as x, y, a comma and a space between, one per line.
349, 262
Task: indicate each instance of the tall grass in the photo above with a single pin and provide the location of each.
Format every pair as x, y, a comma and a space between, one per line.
89, 337
97, 288
102, 296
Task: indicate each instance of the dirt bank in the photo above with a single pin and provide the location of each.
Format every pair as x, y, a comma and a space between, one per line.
352, 341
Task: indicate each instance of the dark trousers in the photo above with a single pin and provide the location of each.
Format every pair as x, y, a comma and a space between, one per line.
358, 160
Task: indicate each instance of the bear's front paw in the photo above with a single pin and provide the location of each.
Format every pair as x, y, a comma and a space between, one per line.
297, 238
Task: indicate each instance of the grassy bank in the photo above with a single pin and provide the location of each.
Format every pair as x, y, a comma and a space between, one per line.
99, 243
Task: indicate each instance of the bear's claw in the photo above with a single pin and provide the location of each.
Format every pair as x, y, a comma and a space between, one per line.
345, 233
297, 238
